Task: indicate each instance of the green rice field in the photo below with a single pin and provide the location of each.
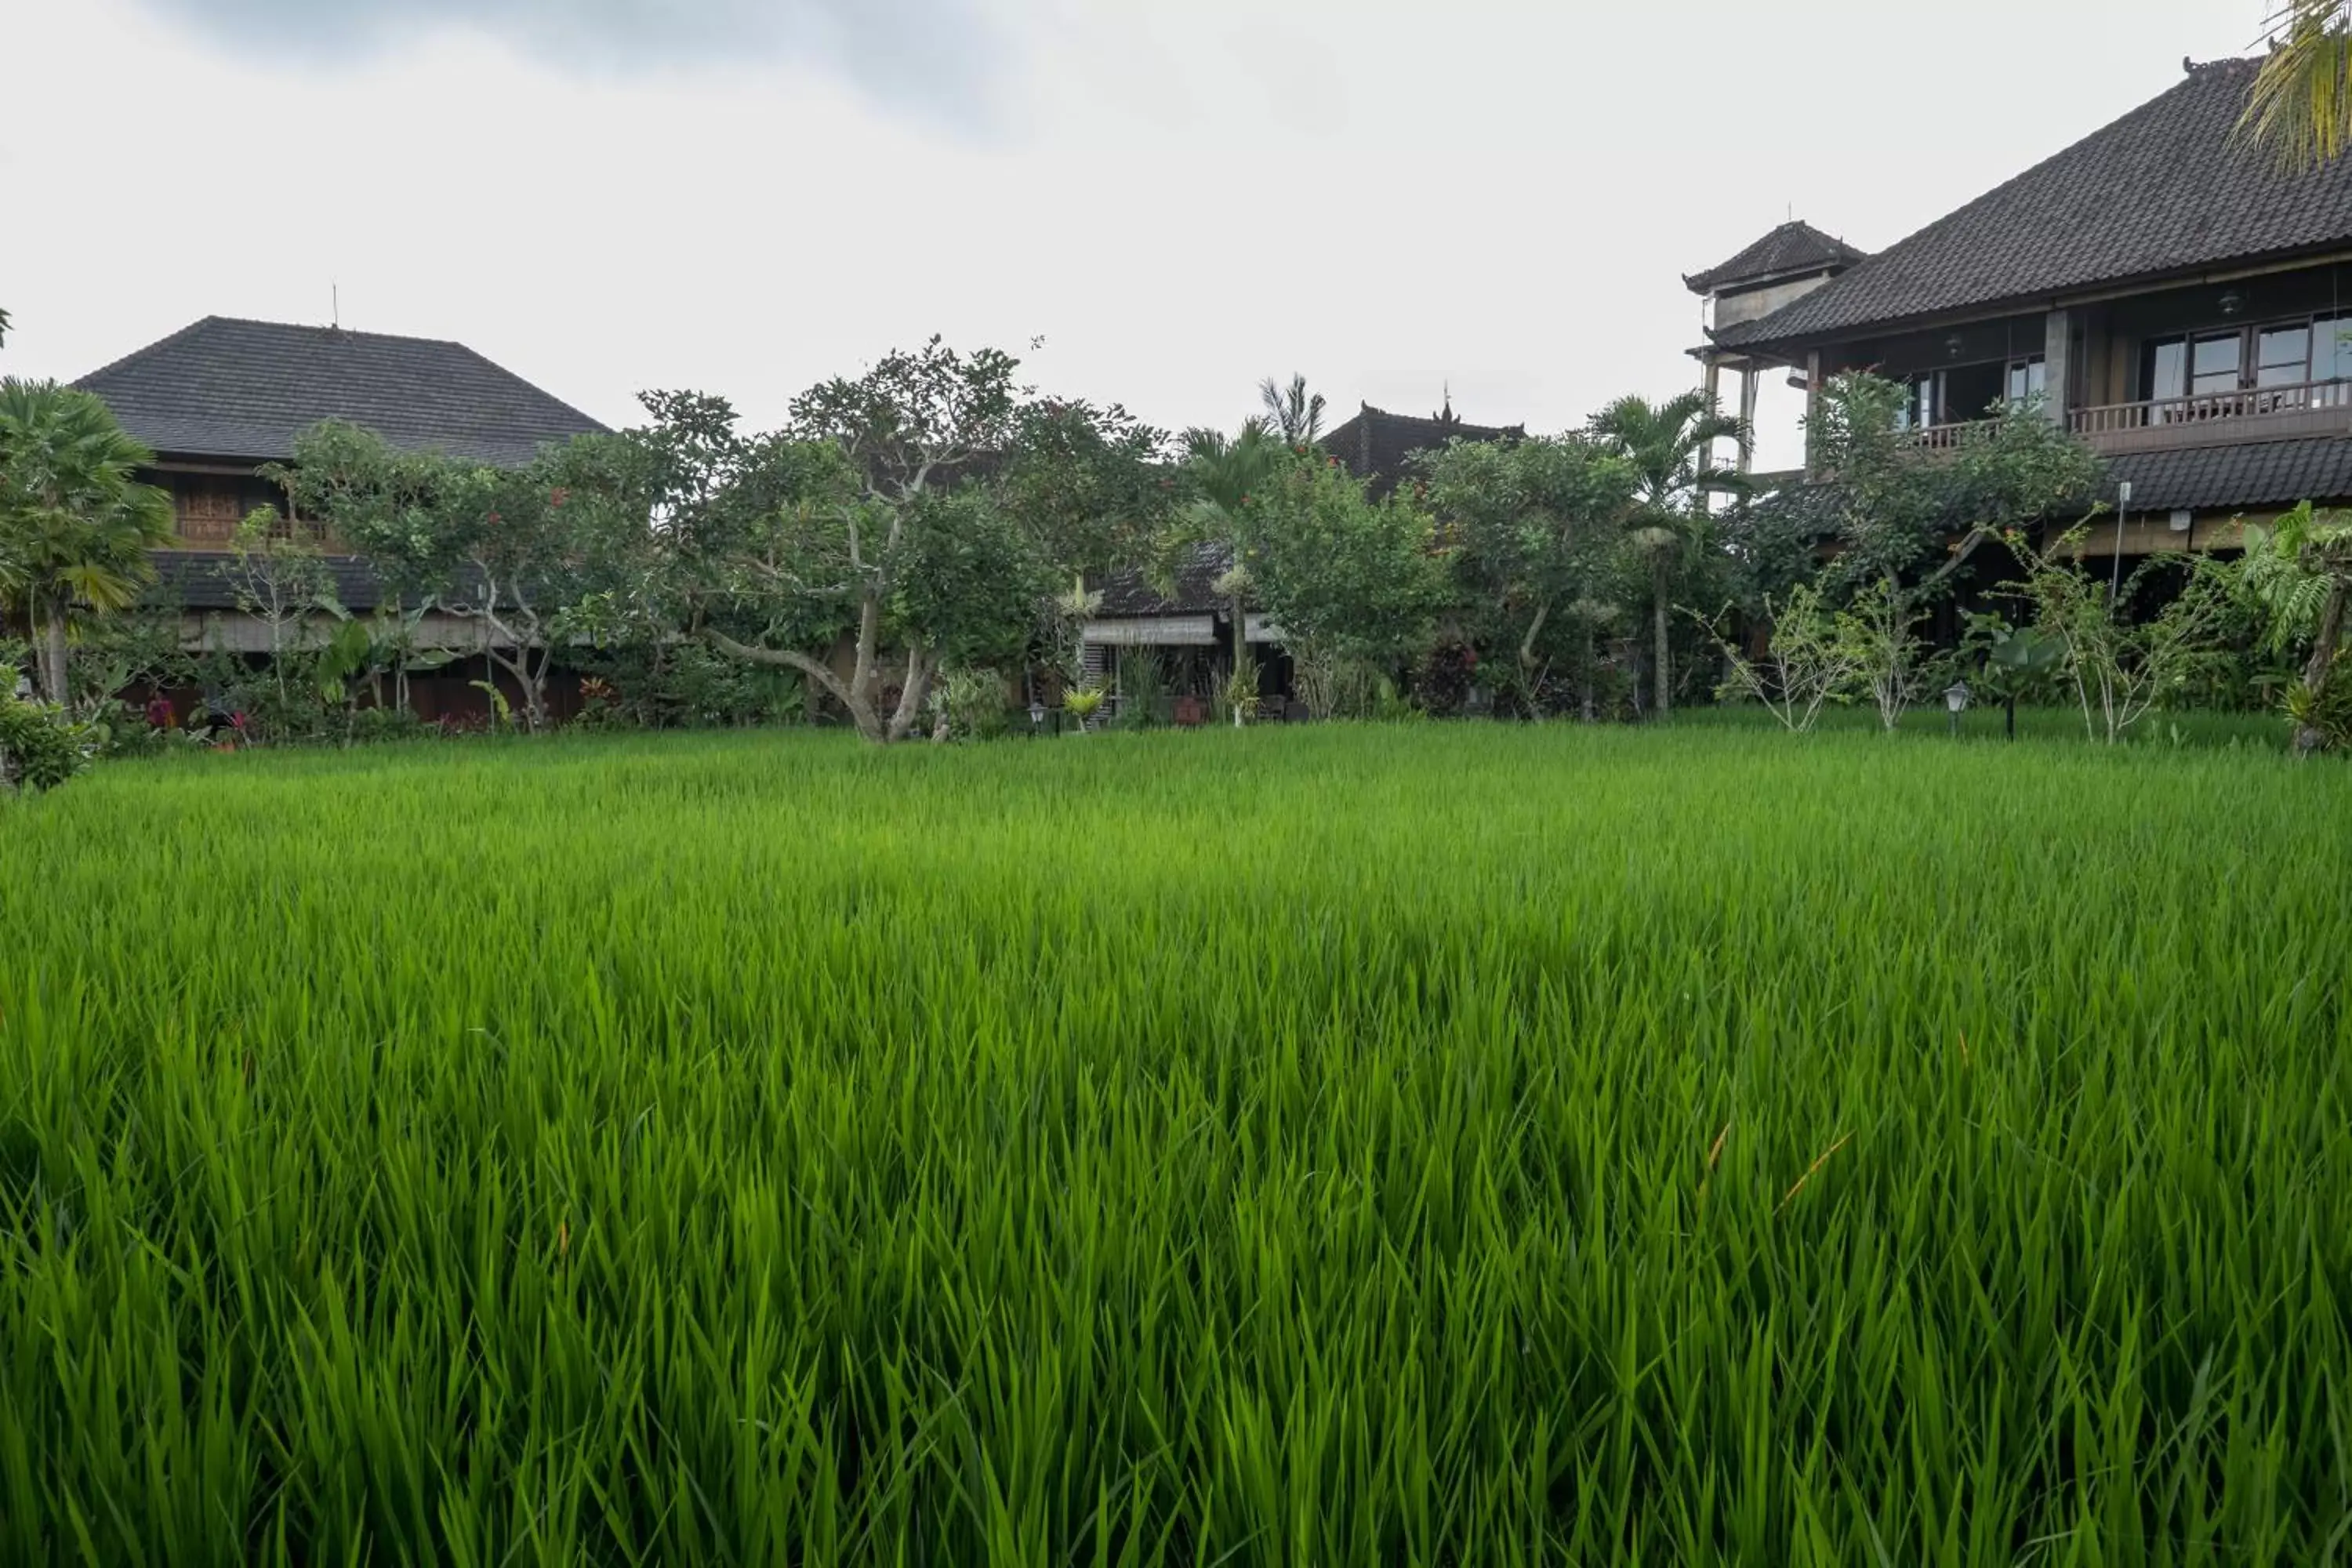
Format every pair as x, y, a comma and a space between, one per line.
1428, 1145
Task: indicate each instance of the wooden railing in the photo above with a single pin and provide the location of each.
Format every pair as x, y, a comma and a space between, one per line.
2261, 413
1946, 437
2186, 421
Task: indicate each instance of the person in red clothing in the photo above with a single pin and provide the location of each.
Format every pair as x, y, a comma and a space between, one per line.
160, 713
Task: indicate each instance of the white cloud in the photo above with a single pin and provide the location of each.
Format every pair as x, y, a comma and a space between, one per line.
1180, 197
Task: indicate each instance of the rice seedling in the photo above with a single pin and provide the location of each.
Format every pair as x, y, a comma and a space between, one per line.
1420, 1145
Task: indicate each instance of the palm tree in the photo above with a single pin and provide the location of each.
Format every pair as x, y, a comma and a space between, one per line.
1294, 411
2300, 571
1226, 473
1671, 447
2301, 107
75, 523
4, 326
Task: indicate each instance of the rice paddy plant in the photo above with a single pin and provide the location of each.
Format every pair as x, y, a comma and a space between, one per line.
1445, 1144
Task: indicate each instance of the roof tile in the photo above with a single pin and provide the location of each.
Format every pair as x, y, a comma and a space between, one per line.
2167, 189
226, 388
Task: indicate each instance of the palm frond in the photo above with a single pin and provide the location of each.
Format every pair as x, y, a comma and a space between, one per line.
2300, 110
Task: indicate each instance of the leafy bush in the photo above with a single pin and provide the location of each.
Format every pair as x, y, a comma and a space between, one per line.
973, 702
40, 747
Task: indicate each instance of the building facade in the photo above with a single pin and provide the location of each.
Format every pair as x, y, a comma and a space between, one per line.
2174, 297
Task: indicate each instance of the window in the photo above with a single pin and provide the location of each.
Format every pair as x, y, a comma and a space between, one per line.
2282, 356
2028, 379
2214, 365
2165, 372
2331, 348
1918, 404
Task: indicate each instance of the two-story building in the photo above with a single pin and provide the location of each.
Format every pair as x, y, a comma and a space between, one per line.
2177, 299
218, 400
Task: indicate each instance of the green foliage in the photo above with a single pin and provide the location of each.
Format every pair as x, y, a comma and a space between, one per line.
1344, 577
75, 523
1670, 447
2119, 668
518, 552
1534, 533
1083, 702
1554, 1146
973, 702
1898, 514
2300, 110
41, 746
1813, 659
1144, 689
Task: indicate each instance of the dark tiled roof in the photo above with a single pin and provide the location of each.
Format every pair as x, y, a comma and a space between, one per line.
237, 389
1378, 446
2253, 475
1130, 593
2164, 190
1792, 250
198, 580
2250, 476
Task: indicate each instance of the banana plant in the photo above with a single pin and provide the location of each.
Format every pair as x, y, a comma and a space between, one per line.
2019, 661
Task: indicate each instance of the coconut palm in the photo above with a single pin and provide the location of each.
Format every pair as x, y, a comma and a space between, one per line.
1225, 473
1671, 447
75, 523
1294, 411
2301, 107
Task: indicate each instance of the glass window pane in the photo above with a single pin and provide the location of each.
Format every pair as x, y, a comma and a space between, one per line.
2168, 369
2331, 348
2215, 366
2037, 378
2284, 356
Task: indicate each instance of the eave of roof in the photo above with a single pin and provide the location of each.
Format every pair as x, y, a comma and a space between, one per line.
1794, 250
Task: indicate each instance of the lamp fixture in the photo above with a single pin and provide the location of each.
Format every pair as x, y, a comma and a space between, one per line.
1955, 345
2232, 302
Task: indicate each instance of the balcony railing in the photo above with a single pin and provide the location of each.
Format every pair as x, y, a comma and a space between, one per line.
2207, 419
2252, 413
1948, 437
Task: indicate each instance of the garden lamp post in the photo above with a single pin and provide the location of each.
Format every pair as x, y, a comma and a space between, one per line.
1956, 702
1036, 718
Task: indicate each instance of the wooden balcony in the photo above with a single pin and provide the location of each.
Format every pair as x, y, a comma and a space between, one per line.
2163, 424
2215, 419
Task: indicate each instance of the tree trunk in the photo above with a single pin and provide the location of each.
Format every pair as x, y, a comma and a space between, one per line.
1592, 658
2321, 667
1241, 651
53, 662
1666, 691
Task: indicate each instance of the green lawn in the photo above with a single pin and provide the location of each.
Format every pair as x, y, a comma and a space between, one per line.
1436, 1145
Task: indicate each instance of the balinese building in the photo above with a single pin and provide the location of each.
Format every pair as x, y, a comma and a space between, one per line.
218, 400
2176, 298
1379, 447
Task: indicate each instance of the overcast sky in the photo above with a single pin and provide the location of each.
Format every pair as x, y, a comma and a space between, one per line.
1179, 197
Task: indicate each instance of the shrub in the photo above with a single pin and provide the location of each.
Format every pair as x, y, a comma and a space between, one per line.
40, 747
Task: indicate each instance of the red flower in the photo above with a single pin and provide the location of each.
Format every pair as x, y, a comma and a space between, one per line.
558, 496
493, 517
